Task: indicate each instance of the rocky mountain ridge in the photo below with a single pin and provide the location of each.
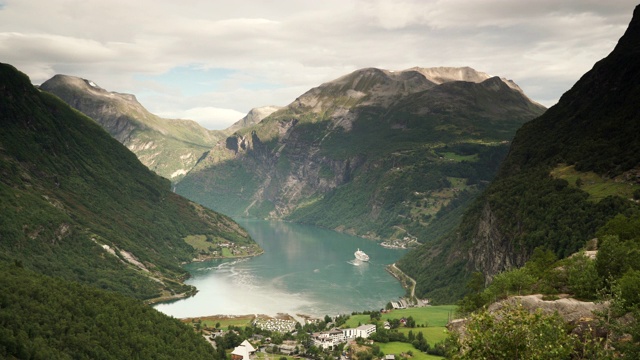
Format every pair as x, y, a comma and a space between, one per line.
341, 132
170, 147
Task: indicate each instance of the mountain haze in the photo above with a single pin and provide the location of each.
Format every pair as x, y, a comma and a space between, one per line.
376, 153
78, 205
566, 174
169, 147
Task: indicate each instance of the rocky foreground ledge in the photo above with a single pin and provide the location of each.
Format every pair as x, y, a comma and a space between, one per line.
581, 314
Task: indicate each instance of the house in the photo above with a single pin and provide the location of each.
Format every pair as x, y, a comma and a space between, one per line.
243, 351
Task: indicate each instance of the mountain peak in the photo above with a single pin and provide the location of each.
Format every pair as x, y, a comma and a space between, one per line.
74, 83
443, 74
380, 87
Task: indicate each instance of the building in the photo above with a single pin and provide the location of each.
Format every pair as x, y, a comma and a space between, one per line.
243, 351
328, 339
362, 331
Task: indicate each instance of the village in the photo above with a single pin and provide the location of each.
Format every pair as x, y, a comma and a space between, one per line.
395, 332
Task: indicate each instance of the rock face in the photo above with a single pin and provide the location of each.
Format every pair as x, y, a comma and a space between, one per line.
594, 128
171, 148
571, 310
254, 116
358, 153
581, 315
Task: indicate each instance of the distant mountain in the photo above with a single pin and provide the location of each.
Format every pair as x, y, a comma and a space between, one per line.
167, 146
377, 153
76, 204
253, 117
567, 173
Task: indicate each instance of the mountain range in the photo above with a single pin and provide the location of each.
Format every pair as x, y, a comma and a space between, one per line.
375, 153
401, 155
354, 135
567, 173
78, 205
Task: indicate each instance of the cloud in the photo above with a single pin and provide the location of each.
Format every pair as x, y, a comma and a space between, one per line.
268, 53
209, 117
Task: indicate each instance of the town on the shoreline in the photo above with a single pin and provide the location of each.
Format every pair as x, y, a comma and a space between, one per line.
392, 332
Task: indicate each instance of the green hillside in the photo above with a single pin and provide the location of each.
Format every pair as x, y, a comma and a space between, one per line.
50, 318
536, 200
78, 205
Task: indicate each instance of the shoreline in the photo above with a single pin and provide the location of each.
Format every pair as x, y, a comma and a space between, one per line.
193, 291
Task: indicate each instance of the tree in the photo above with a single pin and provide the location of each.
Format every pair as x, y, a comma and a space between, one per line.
514, 333
410, 323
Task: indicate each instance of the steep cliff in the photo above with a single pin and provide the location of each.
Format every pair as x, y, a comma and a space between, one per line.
566, 174
376, 153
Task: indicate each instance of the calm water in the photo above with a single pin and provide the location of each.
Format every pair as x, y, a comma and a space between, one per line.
304, 270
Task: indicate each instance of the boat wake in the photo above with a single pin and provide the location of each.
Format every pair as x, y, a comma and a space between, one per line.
356, 262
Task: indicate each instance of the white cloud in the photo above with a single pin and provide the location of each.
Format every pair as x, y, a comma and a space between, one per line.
275, 51
210, 117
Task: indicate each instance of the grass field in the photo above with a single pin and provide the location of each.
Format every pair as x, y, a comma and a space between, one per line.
595, 185
225, 321
434, 317
433, 334
397, 348
429, 315
199, 242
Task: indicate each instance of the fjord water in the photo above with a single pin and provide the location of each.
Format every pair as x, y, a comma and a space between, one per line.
304, 270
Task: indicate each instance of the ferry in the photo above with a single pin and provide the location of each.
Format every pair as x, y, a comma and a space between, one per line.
360, 255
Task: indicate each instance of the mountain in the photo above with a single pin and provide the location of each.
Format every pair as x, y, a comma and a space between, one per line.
254, 116
376, 153
168, 147
50, 318
76, 204
567, 173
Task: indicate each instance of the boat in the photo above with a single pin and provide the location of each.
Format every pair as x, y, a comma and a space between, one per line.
360, 255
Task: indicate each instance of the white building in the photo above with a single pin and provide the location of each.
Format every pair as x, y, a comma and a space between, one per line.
362, 331
328, 339
243, 351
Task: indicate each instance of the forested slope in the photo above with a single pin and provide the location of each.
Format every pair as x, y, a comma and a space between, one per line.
49, 318
77, 204
567, 173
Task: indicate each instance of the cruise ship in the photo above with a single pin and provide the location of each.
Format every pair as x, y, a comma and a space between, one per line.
360, 255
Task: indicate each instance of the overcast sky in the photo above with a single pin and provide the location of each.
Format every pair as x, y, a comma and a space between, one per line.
212, 61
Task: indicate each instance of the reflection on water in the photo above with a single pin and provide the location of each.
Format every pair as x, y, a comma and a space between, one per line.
304, 270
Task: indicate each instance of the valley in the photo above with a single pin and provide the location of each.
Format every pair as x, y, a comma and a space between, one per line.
517, 226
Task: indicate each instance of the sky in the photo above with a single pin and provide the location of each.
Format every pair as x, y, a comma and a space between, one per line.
212, 61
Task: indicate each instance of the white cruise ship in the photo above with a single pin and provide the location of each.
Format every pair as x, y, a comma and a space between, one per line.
360, 255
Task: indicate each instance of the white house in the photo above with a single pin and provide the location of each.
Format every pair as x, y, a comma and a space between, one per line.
243, 351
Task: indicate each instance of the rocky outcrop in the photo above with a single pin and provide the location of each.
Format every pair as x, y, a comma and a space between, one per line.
492, 251
571, 310
581, 315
